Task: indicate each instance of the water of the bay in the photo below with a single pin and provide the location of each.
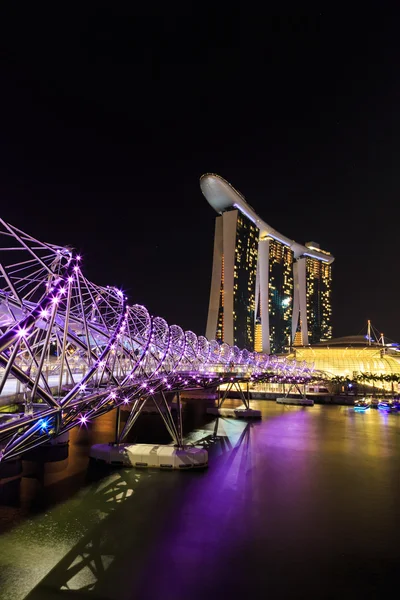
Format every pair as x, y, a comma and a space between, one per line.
303, 504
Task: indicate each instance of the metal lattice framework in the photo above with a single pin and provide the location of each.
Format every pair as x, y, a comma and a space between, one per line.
71, 350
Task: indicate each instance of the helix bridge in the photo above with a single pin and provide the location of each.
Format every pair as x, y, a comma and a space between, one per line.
71, 351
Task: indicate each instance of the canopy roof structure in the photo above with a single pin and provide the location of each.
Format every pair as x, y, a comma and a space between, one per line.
348, 360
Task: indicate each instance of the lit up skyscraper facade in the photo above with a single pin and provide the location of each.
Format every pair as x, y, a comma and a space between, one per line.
280, 295
266, 290
234, 279
319, 308
244, 282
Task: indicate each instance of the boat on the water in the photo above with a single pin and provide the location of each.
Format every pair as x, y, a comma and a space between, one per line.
385, 405
362, 405
396, 404
392, 405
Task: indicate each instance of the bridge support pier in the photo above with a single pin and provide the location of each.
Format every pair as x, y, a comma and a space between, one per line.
179, 419
242, 412
117, 424
300, 400
166, 457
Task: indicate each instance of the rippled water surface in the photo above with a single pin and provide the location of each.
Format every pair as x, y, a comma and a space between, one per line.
301, 504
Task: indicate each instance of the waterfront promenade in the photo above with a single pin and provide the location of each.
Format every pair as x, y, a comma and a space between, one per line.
302, 504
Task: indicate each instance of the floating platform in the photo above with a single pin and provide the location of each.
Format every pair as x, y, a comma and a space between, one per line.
167, 457
296, 401
150, 456
236, 413
111, 454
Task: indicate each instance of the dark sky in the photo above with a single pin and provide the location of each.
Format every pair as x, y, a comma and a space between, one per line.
108, 119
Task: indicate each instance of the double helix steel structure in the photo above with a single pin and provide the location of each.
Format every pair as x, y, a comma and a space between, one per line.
71, 350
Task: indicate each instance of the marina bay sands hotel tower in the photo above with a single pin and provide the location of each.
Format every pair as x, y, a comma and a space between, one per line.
267, 291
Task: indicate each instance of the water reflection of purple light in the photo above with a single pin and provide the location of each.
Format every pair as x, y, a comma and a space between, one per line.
290, 506
222, 509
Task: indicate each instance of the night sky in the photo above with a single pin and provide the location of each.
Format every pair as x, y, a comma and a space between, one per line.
108, 119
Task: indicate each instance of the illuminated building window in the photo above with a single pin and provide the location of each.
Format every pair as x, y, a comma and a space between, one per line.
280, 295
319, 307
244, 287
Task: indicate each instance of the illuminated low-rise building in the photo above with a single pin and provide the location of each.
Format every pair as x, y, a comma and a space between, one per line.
267, 291
351, 357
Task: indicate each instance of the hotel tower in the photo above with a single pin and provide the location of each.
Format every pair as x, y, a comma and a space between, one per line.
267, 292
